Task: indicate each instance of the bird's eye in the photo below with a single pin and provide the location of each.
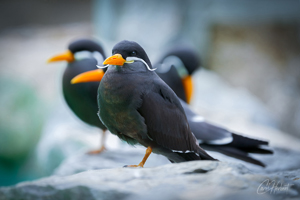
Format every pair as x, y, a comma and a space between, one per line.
133, 53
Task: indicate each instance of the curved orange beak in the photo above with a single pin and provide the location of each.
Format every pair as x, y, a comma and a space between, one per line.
188, 87
89, 76
116, 59
66, 56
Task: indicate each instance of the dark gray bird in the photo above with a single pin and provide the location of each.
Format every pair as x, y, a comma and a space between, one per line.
82, 55
176, 68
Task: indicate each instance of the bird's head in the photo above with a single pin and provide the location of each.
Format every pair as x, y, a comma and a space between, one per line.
80, 49
128, 52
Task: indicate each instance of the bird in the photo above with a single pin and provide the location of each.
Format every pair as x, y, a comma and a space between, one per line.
140, 108
210, 136
83, 55
176, 67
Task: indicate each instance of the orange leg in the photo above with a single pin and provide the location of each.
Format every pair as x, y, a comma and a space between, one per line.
148, 152
102, 147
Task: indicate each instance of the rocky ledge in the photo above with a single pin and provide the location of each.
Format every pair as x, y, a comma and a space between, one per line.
189, 180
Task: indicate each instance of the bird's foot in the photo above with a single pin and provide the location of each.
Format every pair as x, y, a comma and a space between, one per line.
98, 151
148, 152
134, 166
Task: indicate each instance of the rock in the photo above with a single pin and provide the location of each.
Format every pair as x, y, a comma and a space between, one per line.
189, 180
278, 162
108, 159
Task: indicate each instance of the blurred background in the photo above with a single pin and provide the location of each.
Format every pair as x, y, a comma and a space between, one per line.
249, 81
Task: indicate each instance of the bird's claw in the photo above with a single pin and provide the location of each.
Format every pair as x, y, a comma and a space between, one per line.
133, 166
97, 151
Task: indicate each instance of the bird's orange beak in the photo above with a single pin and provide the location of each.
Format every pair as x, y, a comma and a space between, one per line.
66, 56
116, 59
89, 76
188, 87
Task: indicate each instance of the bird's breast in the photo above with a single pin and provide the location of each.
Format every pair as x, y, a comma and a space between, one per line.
119, 96
121, 88
114, 89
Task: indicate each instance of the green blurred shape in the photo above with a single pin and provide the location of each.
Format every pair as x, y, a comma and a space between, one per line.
21, 121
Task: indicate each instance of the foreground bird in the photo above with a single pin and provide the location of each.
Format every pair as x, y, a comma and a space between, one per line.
83, 55
138, 107
176, 68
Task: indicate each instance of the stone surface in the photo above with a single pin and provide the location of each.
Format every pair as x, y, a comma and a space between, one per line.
278, 162
109, 159
190, 180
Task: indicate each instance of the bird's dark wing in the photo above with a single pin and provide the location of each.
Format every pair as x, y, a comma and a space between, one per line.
166, 121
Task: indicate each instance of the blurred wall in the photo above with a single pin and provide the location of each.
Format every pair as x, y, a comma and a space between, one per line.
156, 23
265, 59
44, 12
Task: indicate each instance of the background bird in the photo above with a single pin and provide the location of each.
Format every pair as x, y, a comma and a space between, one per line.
138, 107
82, 55
176, 68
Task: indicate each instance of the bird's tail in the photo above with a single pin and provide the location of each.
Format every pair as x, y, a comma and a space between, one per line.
240, 147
